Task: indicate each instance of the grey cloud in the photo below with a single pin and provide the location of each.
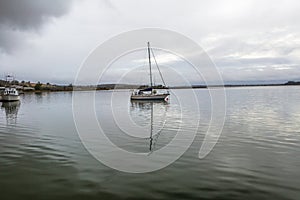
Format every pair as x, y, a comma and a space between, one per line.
272, 74
262, 55
251, 61
26, 15
8, 39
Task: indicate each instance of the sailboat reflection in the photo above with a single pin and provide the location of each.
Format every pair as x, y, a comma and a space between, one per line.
11, 110
151, 128
147, 108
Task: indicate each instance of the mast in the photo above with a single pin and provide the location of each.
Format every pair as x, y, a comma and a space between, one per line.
149, 56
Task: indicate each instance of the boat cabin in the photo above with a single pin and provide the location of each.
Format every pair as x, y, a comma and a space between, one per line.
11, 91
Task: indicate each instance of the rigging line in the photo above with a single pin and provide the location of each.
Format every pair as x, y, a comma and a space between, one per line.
158, 68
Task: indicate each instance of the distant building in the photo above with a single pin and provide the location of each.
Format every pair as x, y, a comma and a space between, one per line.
18, 87
28, 89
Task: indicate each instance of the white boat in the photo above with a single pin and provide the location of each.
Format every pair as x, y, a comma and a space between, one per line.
10, 93
150, 93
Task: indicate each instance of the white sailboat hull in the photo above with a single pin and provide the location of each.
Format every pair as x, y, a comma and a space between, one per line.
149, 97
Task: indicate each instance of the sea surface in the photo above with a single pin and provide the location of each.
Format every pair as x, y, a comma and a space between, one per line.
257, 155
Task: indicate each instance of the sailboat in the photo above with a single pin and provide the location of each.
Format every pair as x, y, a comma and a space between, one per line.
150, 93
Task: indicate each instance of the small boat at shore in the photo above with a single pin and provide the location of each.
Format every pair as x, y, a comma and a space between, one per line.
10, 93
151, 93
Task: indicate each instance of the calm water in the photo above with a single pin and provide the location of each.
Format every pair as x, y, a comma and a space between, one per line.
256, 157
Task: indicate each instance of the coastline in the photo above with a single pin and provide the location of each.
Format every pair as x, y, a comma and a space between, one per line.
40, 87
176, 87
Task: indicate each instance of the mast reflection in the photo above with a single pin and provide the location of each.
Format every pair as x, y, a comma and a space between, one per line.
146, 109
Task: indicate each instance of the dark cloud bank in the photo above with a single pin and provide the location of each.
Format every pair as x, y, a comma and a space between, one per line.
20, 16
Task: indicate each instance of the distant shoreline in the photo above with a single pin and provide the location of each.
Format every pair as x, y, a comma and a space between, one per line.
39, 87
179, 87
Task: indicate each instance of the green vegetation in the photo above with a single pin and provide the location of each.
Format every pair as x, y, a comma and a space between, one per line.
38, 86
28, 86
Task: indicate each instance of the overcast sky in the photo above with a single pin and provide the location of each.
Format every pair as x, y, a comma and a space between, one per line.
248, 40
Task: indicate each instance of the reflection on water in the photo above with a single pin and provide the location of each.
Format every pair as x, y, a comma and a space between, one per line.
257, 156
11, 111
140, 111
143, 108
131, 125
